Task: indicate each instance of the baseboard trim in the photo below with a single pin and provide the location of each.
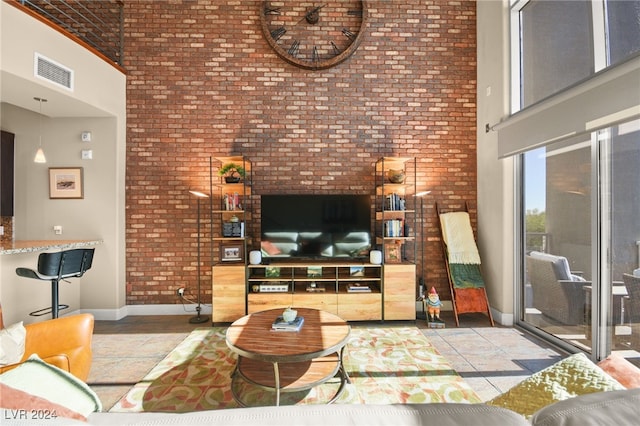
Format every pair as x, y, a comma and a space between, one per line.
119, 313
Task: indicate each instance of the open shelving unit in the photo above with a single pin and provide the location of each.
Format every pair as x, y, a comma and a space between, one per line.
395, 227
230, 215
334, 286
319, 285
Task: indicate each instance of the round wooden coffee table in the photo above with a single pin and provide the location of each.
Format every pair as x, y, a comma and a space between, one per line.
288, 361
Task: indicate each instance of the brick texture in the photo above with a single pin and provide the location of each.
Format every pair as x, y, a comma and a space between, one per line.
203, 82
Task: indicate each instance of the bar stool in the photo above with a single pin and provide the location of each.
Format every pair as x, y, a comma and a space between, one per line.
58, 266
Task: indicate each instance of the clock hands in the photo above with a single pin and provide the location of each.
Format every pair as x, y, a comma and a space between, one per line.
313, 16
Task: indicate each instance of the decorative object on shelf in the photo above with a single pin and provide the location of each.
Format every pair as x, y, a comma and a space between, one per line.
289, 314
393, 253
198, 319
314, 271
356, 271
272, 272
396, 176
233, 229
232, 172
66, 182
375, 257
306, 37
231, 252
313, 287
255, 257
40, 158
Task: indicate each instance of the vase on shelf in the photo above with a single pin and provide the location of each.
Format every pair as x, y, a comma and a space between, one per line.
395, 176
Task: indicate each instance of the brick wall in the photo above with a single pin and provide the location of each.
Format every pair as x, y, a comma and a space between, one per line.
203, 82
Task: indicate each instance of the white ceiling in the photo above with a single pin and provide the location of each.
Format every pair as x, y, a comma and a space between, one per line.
20, 92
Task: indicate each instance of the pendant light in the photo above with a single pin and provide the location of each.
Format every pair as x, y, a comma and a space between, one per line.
40, 158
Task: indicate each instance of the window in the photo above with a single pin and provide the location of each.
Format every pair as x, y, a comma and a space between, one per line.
563, 42
576, 128
557, 47
623, 29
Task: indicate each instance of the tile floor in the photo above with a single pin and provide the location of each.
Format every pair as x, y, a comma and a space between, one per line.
491, 359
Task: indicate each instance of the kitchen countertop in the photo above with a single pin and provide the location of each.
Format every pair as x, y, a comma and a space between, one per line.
28, 246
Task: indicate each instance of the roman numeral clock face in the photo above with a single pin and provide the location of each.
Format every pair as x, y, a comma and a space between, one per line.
314, 34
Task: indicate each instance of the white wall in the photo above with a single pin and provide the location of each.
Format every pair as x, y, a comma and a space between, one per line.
97, 104
495, 177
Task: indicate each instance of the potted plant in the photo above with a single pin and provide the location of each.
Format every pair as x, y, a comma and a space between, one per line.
232, 172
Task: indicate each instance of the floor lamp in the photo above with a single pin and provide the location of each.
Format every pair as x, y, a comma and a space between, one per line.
421, 282
198, 319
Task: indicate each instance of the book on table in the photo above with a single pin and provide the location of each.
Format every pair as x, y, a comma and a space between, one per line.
281, 325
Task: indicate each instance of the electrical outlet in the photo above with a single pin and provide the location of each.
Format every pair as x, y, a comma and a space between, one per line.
180, 291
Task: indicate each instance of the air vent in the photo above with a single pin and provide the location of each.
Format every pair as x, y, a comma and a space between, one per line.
53, 72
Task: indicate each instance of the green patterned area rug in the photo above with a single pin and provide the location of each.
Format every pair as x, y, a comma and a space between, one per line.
387, 365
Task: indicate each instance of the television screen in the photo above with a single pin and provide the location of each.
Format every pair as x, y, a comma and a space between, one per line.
315, 226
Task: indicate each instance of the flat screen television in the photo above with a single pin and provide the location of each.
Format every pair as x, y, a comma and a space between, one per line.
297, 226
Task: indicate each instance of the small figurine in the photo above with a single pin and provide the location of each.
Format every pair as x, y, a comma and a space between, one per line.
433, 306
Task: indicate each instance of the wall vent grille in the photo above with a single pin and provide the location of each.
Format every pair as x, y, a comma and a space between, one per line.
52, 71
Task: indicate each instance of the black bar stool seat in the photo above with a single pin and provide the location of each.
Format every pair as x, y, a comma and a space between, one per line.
54, 267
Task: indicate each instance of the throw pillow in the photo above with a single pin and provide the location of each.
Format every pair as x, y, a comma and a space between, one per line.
560, 264
12, 341
570, 377
15, 399
269, 248
622, 370
46, 381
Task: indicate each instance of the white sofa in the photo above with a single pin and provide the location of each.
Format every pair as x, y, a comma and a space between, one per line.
602, 408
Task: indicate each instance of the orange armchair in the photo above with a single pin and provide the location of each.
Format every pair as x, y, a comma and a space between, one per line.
64, 342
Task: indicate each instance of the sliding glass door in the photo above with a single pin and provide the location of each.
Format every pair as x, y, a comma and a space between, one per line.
581, 204
620, 168
557, 198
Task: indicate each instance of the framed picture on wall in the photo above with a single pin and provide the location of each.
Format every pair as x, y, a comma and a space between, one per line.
231, 252
66, 182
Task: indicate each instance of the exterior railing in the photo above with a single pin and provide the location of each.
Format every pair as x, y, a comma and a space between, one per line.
538, 241
99, 23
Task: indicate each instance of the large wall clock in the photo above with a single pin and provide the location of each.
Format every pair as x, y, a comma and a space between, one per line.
314, 34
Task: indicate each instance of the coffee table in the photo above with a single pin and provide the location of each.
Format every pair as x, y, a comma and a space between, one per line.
288, 361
